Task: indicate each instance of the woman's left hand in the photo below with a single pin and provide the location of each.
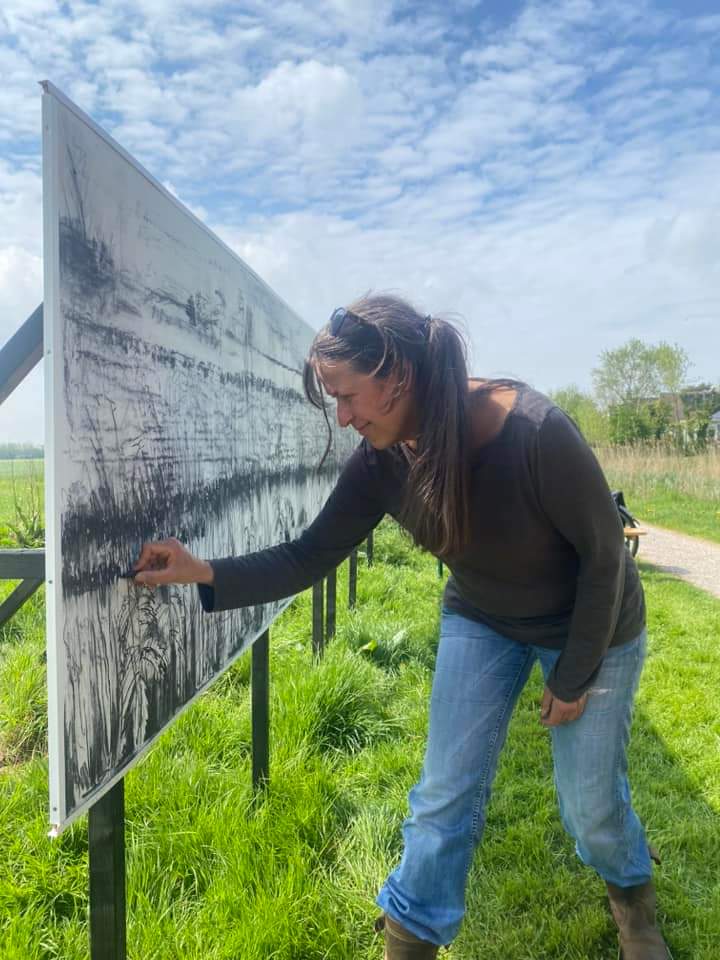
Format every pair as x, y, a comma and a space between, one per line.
553, 712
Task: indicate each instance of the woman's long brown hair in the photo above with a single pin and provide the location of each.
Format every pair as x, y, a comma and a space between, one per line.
429, 355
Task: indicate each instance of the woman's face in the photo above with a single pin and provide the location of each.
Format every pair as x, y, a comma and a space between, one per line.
366, 403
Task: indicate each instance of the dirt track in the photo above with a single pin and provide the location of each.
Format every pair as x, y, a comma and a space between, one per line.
690, 558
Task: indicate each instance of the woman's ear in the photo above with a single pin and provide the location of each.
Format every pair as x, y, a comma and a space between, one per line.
398, 383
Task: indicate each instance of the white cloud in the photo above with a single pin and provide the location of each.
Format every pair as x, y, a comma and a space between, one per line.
21, 415
554, 180
315, 105
106, 53
21, 283
20, 207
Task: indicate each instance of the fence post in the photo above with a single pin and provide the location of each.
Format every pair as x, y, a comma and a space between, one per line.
22, 592
318, 638
370, 547
260, 697
25, 565
106, 840
331, 605
352, 579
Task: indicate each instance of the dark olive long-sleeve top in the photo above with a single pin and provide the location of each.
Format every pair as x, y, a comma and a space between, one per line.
546, 562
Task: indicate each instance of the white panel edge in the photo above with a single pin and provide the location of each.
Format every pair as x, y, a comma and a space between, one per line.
53, 566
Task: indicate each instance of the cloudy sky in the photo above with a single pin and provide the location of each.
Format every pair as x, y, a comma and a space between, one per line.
548, 171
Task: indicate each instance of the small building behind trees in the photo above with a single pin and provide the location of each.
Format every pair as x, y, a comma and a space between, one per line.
714, 427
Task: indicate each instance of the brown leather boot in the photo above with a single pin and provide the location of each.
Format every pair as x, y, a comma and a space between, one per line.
633, 909
400, 944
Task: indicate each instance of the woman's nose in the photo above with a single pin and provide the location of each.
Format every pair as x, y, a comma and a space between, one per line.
343, 413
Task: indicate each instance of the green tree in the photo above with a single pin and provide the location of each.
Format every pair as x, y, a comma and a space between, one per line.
672, 364
640, 420
592, 421
637, 372
627, 375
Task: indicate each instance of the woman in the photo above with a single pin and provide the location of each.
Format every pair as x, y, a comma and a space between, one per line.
499, 483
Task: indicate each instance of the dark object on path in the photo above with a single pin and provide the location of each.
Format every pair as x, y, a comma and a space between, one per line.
630, 523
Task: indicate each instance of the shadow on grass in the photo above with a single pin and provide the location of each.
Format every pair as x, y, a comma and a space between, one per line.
529, 895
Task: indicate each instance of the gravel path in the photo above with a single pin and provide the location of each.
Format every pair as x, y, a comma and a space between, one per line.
690, 558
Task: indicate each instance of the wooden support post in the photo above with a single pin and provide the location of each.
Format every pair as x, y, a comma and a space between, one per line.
352, 580
22, 564
331, 605
318, 639
22, 592
370, 547
260, 694
20, 354
106, 838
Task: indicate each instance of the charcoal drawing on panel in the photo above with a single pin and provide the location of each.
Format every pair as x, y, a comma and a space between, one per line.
177, 411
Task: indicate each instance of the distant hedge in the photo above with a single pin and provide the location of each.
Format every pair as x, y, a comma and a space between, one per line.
21, 451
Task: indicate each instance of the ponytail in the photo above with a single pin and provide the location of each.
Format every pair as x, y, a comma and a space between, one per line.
437, 502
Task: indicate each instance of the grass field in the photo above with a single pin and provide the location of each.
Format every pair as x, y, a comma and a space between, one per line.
21, 486
667, 488
214, 876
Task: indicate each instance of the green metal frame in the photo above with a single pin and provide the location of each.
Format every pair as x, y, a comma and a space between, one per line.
17, 358
21, 353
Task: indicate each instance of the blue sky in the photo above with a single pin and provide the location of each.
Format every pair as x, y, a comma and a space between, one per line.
548, 172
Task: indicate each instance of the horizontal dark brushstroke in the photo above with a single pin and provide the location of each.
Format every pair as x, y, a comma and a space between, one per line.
153, 508
129, 345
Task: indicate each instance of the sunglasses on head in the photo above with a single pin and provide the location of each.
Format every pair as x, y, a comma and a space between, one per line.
340, 318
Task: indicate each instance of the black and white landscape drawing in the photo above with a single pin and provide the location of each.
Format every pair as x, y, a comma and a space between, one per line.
175, 402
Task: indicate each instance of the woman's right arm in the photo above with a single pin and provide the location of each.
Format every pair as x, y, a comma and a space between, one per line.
353, 509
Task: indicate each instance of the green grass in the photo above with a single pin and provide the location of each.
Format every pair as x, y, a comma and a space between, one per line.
21, 505
214, 875
667, 488
677, 511
21, 471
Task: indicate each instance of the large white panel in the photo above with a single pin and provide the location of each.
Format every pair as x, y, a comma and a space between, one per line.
174, 407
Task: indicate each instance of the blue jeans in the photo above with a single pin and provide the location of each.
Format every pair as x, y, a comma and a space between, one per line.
479, 675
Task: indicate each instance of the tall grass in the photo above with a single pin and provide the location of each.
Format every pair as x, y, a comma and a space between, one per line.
21, 504
663, 486
653, 468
